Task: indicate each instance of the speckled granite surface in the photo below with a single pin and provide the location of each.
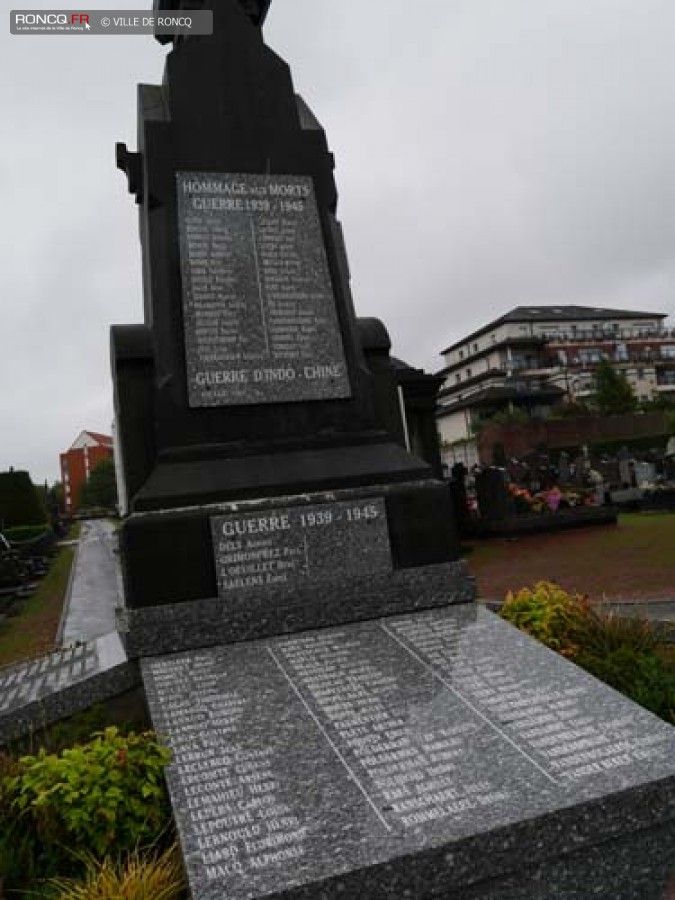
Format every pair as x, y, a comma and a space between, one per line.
260, 612
53, 687
441, 754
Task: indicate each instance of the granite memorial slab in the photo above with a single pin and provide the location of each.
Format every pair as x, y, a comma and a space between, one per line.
411, 756
259, 312
36, 693
289, 546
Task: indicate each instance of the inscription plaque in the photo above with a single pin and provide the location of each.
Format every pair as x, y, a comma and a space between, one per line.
305, 757
259, 315
287, 546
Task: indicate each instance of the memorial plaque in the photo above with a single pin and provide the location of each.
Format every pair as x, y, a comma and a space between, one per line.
288, 546
259, 315
309, 757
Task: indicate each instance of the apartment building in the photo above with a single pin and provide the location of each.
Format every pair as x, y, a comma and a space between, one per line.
88, 449
535, 357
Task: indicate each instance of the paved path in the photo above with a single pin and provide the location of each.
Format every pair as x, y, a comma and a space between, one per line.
95, 588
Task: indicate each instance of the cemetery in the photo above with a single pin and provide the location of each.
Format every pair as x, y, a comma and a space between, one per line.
545, 491
302, 697
30, 528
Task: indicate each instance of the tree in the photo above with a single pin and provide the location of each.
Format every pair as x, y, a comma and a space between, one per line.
101, 486
20, 502
613, 393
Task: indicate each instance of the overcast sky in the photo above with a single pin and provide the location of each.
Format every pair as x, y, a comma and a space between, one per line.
490, 153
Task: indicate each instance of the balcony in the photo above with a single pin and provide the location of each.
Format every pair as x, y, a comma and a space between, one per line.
665, 381
600, 336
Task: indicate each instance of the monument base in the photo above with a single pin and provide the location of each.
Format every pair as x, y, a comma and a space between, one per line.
440, 754
273, 565
262, 613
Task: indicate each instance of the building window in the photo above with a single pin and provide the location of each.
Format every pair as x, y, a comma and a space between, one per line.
589, 355
458, 377
641, 374
475, 348
468, 373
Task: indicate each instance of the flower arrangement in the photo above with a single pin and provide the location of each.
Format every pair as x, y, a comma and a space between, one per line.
550, 500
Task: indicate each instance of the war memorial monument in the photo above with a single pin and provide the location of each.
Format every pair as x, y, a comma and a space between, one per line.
345, 720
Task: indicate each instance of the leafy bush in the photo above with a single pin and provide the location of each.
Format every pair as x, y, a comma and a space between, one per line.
623, 652
549, 614
108, 793
641, 675
140, 876
20, 503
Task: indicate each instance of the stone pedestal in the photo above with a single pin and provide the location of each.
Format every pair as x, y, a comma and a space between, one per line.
251, 386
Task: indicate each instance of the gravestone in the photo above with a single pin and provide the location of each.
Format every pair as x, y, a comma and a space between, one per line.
494, 499
564, 468
645, 473
252, 393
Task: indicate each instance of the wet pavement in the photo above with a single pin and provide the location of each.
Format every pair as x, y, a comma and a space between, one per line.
95, 589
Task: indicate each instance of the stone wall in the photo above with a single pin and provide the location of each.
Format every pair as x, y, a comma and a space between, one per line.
519, 439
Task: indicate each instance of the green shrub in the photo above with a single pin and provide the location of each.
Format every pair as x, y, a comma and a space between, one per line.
623, 652
638, 674
18, 846
106, 794
549, 614
20, 503
607, 632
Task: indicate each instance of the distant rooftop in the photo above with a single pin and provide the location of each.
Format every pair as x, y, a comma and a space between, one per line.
557, 314
103, 440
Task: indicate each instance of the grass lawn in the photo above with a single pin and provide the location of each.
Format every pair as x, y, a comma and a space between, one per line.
629, 561
33, 631
74, 531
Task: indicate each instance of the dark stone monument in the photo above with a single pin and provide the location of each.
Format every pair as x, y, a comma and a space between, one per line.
494, 500
379, 739
564, 468
252, 392
459, 473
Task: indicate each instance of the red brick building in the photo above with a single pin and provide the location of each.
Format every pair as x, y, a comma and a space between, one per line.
76, 464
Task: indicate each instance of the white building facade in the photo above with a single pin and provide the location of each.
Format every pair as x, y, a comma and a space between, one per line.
534, 358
